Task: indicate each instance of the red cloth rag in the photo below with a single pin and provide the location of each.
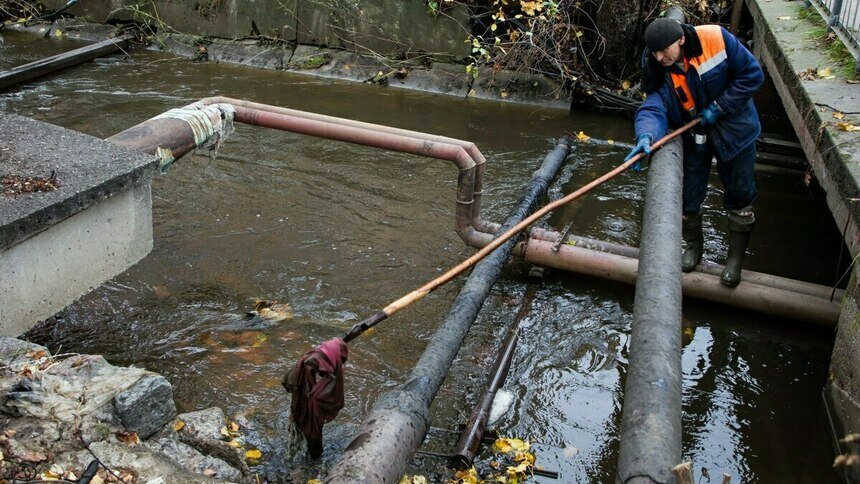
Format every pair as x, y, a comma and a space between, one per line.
316, 384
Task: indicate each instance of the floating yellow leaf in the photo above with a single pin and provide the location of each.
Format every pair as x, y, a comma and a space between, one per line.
582, 137
178, 425
253, 454
504, 445
469, 476
625, 85
504, 94
526, 457
610, 142
314, 481
58, 33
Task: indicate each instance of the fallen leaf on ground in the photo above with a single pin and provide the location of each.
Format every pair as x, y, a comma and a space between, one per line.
209, 472
129, 438
253, 454
178, 425
838, 115
413, 480
785, 17
582, 137
847, 127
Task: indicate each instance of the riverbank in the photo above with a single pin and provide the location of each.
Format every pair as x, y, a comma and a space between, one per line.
61, 413
423, 74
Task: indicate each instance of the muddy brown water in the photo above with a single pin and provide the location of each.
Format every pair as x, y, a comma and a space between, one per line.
338, 231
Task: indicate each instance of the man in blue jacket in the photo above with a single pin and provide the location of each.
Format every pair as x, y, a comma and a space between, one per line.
704, 72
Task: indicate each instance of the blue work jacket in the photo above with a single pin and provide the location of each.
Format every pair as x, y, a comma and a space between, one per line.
720, 69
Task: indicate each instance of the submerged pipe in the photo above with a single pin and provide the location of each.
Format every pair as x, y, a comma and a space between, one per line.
705, 267
470, 438
650, 441
45, 66
398, 421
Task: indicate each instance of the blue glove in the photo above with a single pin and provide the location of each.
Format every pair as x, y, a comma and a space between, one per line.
711, 114
643, 145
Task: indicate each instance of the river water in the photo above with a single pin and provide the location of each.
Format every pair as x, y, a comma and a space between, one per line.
338, 231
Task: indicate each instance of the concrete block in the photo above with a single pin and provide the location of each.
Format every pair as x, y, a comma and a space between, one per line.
146, 406
56, 245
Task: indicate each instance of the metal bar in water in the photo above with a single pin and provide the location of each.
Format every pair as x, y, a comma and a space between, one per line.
470, 439
398, 421
650, 441
45, 66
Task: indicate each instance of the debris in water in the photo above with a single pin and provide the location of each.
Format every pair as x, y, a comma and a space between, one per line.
17, 184
270, 310
501, 403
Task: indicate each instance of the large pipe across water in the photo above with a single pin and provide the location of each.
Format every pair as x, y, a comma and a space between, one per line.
650, 442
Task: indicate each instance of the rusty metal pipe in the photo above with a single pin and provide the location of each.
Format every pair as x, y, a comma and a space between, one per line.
754, 297
178, 138
477, 157
706, 267
379, 139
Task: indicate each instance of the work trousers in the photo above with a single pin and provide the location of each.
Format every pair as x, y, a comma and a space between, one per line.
736, 174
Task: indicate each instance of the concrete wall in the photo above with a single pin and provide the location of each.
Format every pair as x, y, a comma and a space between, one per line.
782, 44
48, 271
386, 27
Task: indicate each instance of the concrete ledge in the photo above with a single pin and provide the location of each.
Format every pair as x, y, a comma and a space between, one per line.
782, 45
88, 171
48, 271
56, 246
785, 50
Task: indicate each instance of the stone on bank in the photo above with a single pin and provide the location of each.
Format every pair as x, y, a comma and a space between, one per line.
61, 413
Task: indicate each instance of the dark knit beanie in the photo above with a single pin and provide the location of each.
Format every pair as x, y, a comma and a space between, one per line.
662, 33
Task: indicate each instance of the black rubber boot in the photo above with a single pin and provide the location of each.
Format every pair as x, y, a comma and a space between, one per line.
740, 227
694, 241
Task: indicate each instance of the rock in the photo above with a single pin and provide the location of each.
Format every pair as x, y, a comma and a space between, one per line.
13, 352
202, 431
186, 456
149, 465
146, 406
203, 424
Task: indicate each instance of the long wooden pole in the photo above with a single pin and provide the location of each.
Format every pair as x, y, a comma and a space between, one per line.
429, 287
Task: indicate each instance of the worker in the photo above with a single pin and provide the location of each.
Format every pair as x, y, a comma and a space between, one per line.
704, 72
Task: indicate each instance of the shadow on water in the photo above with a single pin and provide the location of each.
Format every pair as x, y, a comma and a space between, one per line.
337, 231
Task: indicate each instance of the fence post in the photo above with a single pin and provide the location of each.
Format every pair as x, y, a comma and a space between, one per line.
834, 14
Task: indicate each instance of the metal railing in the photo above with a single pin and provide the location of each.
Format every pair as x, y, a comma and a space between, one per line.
843, 18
